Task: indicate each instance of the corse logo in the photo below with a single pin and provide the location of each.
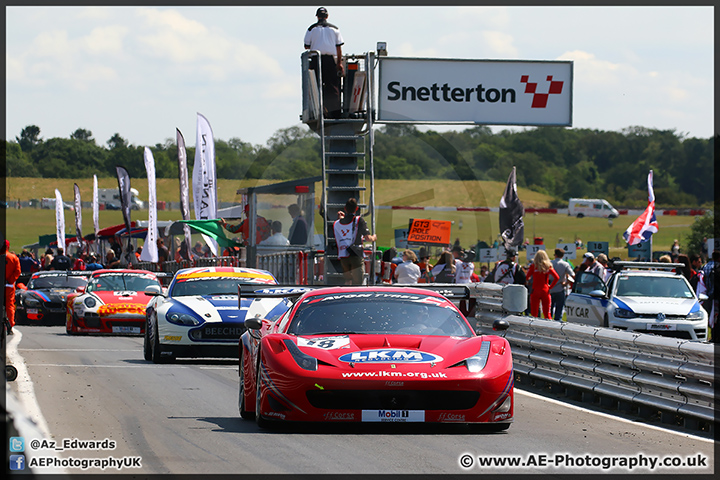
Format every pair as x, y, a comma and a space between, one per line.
390, 356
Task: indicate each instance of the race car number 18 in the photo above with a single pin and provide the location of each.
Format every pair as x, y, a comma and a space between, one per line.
326, 343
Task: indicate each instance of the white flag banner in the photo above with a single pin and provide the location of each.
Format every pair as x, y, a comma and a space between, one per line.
204, 178
59, 220
96, 213
150, 249
184, 189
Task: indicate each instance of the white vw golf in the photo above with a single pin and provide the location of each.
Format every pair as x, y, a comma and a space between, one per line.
642, 297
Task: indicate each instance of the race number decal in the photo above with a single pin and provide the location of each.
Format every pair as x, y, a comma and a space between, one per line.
326, 343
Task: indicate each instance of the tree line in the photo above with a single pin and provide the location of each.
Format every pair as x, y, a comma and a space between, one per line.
557, 161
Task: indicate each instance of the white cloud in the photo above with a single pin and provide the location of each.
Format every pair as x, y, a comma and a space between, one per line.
104, 40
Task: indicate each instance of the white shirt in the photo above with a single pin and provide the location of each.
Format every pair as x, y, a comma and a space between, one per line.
276, 240
345, 236
407, 272
324, 37
463, 271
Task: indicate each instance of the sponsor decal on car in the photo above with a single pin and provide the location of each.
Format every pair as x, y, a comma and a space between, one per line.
113, 309
339, 416
326, 343
172, 338
393, 416
390, 355
451, 417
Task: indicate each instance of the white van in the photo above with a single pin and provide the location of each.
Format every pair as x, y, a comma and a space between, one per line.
112, 196
591, 207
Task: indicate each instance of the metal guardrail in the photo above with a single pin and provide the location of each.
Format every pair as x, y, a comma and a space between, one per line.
291, 267
634, 372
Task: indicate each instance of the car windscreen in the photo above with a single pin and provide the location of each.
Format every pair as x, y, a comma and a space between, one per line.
121, 282
56, 281
639, 286
378, 313
211, 286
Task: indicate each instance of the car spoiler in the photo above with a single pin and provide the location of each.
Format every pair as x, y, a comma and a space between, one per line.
293, 292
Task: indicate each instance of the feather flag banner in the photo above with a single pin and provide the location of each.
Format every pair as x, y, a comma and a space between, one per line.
512, 210
150, 249
641, 230
184, 189
204, 178
59, 220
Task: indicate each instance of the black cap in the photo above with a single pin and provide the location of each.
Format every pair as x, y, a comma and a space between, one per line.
510, 253
321, 12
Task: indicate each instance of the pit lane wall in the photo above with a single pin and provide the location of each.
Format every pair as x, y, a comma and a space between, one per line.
647, 375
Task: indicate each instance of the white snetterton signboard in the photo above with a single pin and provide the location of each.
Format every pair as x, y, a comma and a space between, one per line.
487, 92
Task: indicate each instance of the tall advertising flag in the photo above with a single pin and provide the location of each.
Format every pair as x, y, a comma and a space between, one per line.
96, 212
59, 220
184, 189
78, 216
512, 210
150, 248
641, 230
124, 186
204, 178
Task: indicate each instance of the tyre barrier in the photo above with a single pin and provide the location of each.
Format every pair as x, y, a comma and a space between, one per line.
642, 374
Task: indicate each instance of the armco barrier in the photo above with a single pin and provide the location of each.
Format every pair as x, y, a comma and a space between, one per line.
639, 373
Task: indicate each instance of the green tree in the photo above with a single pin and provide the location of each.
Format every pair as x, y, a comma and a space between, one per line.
702, 228
29, 138
82, 135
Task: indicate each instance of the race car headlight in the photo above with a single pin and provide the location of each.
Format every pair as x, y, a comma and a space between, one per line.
624, 313
89, 302
182, 319
698, 315
304, 360
477, 362
32, 302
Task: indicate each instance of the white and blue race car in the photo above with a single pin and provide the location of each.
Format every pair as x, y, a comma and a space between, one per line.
640, 297
200, 316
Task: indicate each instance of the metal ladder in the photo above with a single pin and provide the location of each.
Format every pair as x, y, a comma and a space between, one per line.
347, 159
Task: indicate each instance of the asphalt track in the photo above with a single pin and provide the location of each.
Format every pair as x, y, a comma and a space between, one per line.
183, 418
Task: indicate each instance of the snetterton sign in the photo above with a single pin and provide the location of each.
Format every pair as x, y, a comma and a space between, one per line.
486, 92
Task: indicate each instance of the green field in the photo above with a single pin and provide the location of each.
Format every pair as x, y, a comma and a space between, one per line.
25, 225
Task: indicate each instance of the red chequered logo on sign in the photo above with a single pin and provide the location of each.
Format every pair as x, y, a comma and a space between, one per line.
540, 99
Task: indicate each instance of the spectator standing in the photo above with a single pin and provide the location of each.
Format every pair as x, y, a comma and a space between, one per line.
28, 264
298, 233
326, 38
444, 270
424, 265
12, 273
603, 260
61, 261
387, 266
47, 259
116, 245
696, 265
464, 273
558, 292
92, 263
507, 271
539, 273
407, 272
665, 259
111, 261
710, 272
277, 239
350, 231
675, 251
263, 228
163, 252
483, 273
592, 265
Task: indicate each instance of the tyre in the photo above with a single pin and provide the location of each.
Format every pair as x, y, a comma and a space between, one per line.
244, 413
605, 322
156, 353
580, 215
147, 349
261, 422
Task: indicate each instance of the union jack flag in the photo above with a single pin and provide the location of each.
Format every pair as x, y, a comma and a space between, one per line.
646, 224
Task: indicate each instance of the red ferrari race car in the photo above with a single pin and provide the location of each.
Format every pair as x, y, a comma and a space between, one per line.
112, 302
374, 354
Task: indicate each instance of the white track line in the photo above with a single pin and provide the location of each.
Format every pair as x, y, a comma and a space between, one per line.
611, 417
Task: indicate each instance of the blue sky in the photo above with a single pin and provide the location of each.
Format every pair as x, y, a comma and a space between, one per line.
142, 71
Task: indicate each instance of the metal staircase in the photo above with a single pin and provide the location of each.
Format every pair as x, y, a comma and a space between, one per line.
346, 151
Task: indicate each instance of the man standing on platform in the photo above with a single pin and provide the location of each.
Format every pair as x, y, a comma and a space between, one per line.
326, 38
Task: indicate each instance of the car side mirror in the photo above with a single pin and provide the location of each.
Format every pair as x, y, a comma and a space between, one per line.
597, 294
500, 325
253, 323
702, 297
153, 291
80, 289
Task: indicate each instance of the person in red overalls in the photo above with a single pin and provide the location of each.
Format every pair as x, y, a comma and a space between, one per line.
539, 272
12, 273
